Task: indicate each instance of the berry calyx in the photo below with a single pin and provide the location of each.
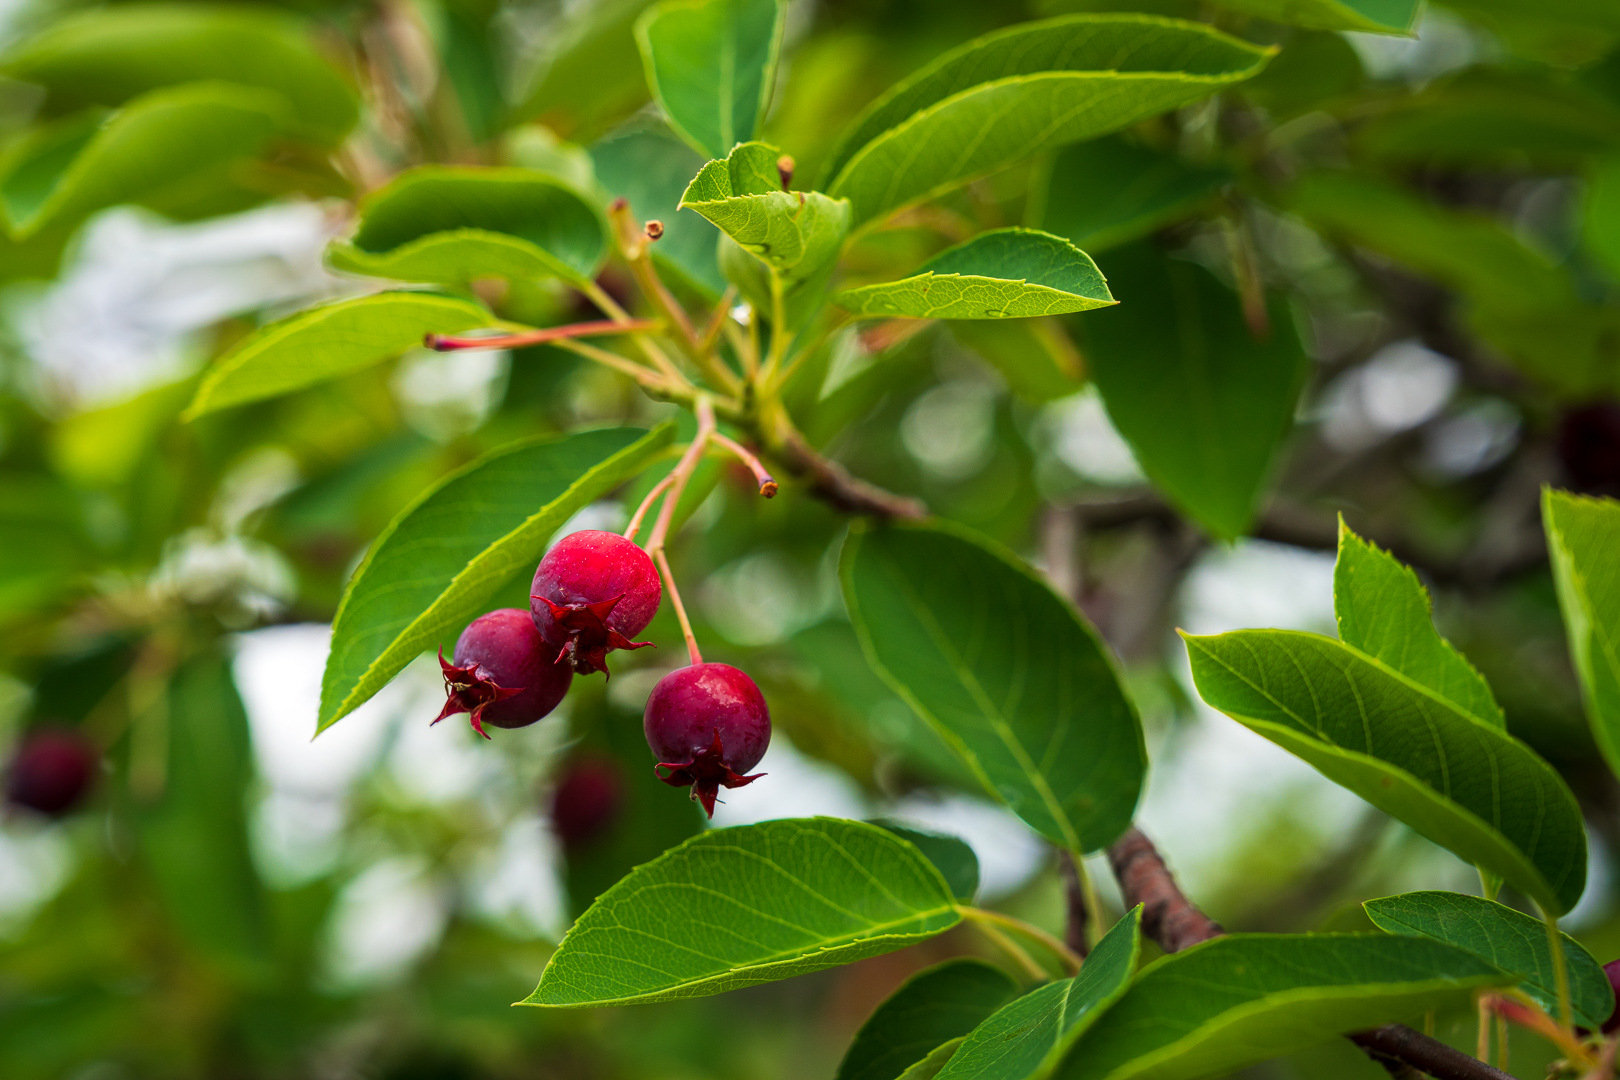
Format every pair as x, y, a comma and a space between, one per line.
708, 725
502, 673
587, 801
592, 593
51, 771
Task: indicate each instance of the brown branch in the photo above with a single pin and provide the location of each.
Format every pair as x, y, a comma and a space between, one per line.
1074, 902
1175, 922
830, 481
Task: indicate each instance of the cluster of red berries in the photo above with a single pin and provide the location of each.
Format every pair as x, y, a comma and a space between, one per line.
593, 593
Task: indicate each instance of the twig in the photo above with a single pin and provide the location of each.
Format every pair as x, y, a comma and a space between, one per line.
1175, 922
767, 483
1077, 916
646, 504
830, 481
447, 343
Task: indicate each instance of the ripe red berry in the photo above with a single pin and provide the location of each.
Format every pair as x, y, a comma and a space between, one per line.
502, 674
587, 800
52, 771
707, 724
592, 593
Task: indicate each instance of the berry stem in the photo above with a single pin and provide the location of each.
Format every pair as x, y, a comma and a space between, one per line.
649, 348
1014, 950
675, 598
445, 343
646, 505
652, 380
718, 320
767, 482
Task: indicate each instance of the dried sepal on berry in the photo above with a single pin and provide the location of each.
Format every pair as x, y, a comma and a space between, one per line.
470, 691
706, 774
589, 637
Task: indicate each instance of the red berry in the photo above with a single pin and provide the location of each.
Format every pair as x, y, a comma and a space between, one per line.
1612, 970
592, 593
503, 674
588, 798
707, 724
52, 771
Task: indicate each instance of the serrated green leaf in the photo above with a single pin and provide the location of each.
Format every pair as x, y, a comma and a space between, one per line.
1107, 192
1009, 94
1026, 1039
711, 64
1412, 753
1243, 998
437, 564
67, 172
795, 233
1007, 671
1367, 16
452, 224
1511, 940
1383, 610
742, 906
951, 856
651, 170
1204, 406
1583, 539
110, 55
933, 1007
1001, 274
324, 342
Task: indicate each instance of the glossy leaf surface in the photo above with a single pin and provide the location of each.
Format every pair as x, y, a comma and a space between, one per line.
1216, 1007
952, 857
78, 167
1202, 403
1383, 610
1368, 16
931, 1008
1464, 784
1002, 274
1583, 541
1008, 673
711, 65
1513, 941
436, 565
1028, 1037
452, 224
110, 55
747, 905
1011, 93
323, 342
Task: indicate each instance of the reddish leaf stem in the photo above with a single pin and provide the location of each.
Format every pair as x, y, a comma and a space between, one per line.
447, 343
767, 483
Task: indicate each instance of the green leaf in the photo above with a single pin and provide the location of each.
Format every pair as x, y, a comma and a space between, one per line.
1601, 217
1412, 753
932, 1007
1028, 1037
436, 565
1368, 16
1511, 940
738, 907
1001, 274
712, 64
1583, 537
68, 171
324, 342
1203, 405
194, 837
952, 857
110, 55
1107, 192
1243, 998
1007, 671
1383, 610
930, 1066
651, 170
451, 224
1515, 296
1009, 94
1036, 356
795, 233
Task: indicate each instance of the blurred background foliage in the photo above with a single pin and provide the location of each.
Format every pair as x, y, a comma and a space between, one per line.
1423, 227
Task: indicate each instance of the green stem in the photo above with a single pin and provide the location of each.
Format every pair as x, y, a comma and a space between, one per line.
1034, 933
1014, 950
1088, 894
1555, 941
